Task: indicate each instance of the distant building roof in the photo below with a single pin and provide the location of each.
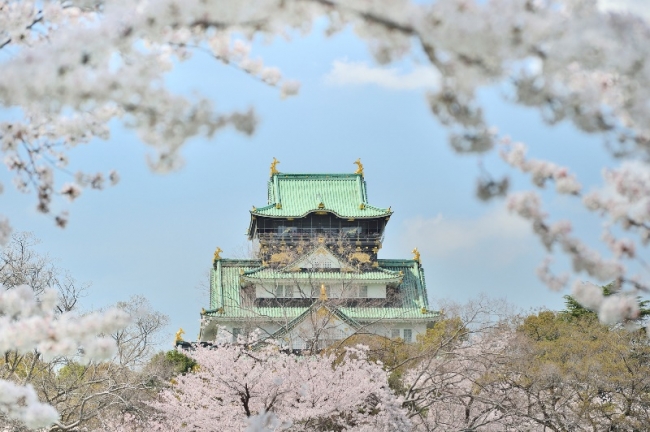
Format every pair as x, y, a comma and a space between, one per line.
297, 195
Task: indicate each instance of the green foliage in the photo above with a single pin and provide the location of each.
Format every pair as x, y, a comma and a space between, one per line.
575, 310
567, 355
545, 326
579, 359
72, 371
444, 332
180, 362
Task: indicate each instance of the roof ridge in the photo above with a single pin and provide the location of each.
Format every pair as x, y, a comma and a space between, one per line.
297, 195
230, 262
396, 260
342, 175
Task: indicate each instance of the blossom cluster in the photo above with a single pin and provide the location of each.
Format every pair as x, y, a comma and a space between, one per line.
90, 64
21, 403
624, 200
243, 389
29, 324
541, 171
584, 258
612, 309
448, 390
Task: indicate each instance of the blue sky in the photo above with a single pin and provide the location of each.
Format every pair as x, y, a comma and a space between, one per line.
154, 235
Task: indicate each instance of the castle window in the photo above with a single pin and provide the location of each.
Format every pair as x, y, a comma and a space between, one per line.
235, 333
363, 292
284, 291
355, 292
408, 335
394, 333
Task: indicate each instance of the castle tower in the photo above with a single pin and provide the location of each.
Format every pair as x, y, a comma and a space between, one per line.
317, 277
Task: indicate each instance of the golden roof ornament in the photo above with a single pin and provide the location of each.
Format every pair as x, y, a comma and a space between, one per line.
216, 254
179, 335
323, 292
416, 255
274, 169
359, 167
203, 311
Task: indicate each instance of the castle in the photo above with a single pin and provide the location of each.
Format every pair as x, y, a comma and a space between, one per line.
317, 278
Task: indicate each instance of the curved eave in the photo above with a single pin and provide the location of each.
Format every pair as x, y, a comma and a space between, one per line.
390, 274
387, 281
360, 315
256, 213
385, 213
252, 277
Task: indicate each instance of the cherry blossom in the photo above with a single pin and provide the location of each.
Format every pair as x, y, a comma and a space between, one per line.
267, 389
28, 324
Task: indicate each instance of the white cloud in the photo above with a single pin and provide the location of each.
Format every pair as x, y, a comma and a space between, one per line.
495, 253
637, 7
359, 73
496, 236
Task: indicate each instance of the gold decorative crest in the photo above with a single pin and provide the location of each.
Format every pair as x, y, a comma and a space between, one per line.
416, 255
359, 166
179, 335
274, 169
323, 292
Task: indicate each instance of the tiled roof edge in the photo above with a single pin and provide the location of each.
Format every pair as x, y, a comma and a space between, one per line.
234, 262
257, 212
396, 262
318, 175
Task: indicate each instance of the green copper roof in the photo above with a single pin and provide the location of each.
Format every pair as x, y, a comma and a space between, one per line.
378, 275
296, 195
225, 295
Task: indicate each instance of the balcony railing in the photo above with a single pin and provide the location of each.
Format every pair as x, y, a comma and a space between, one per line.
297, 234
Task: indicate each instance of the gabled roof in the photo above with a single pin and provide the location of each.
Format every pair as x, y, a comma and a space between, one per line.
314, 308
296, 195
319, 254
